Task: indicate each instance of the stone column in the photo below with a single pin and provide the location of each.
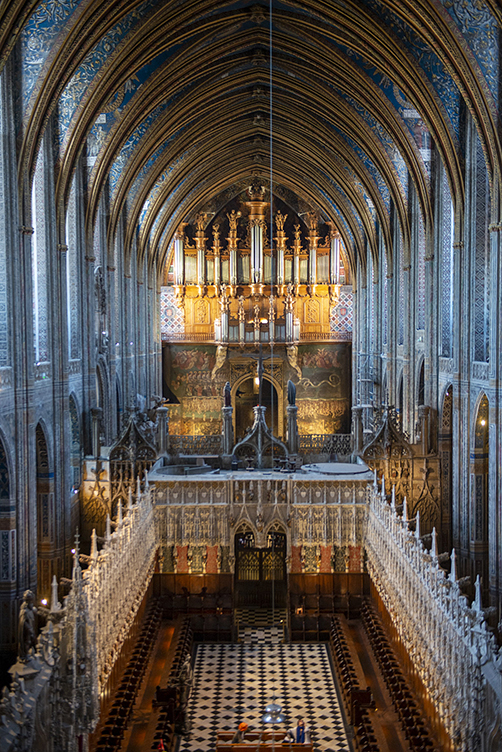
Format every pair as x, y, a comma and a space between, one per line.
293, 439
163, 431
357, 429
423, 416
228, 436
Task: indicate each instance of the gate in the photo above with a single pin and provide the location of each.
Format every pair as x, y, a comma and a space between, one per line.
260, 573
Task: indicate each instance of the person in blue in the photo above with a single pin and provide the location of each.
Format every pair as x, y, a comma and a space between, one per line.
298, 735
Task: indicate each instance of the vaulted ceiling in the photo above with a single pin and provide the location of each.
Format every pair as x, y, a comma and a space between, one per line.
174, 104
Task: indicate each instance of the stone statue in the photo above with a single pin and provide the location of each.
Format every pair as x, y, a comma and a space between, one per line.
227, 395
232, 219
312, 221
221, 356
280, 219
241, 312
200, 221
292, 355
26, 627
185, 682
291, 393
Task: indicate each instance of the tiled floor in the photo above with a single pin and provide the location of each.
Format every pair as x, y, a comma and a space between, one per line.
234, 683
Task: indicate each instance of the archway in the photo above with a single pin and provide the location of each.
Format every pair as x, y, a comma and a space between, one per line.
445, 438
47, 563
479, 497
260, 573
76, 444
246, 397
421, 385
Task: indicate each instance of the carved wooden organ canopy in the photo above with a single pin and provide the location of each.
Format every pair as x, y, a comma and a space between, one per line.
276, 272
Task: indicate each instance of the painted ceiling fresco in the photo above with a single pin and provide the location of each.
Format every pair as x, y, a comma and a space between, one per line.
341, 102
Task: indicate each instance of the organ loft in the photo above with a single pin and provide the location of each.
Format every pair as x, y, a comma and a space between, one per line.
250, 393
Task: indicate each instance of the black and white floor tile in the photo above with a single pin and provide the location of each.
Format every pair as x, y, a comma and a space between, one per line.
234, 683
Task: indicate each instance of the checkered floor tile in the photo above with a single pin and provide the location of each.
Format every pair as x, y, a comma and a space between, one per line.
233, 683
260, 626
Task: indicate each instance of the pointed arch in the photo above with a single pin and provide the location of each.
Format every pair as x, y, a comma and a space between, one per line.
46, 516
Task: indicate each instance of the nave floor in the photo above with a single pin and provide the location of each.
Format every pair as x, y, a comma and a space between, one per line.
234, 683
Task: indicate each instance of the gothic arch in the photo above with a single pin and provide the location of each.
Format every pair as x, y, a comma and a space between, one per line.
279, 429
76, 443
479, 509
119, 405
103, 395
445, 449
5, 472
420, 381
46, 513
400, 397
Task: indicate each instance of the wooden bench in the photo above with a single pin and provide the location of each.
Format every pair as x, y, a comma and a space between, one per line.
265, 741
262, 746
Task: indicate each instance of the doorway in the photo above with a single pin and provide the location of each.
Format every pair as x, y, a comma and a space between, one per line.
260, 573
246, 398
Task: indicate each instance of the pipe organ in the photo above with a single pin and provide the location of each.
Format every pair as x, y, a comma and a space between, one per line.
257, 284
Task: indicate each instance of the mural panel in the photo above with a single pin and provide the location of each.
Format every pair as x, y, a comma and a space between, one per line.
323, 392
201, 397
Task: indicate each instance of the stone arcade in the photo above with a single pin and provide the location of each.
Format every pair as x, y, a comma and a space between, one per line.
250, 356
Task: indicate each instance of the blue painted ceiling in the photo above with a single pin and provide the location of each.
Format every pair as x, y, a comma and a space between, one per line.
169, 103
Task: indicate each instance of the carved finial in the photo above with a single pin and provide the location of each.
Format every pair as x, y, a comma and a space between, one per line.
119, 513
393, 498
383, 487
405, 510
55, 604
77, 571
434, 546
477, 604
453, 569
375, 480
94, 546
417, 527
147, 485
138, 488
108, 531
129, 501
77, 544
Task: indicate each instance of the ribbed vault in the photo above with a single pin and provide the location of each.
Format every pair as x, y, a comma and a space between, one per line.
172, 104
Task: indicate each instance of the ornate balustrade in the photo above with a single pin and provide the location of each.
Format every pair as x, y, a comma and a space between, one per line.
54, 696
325, 443
117, 579
447, 640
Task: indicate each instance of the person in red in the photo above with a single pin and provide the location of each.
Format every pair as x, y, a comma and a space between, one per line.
240, 734
161, 746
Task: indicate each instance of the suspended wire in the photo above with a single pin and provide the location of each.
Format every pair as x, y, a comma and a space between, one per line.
273, 271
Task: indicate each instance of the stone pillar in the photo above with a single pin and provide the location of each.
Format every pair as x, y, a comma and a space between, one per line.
423, 416
163, 431
228, 436
97, 415
293, 439
357, 428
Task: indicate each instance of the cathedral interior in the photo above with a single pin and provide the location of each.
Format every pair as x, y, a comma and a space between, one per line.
250, 375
